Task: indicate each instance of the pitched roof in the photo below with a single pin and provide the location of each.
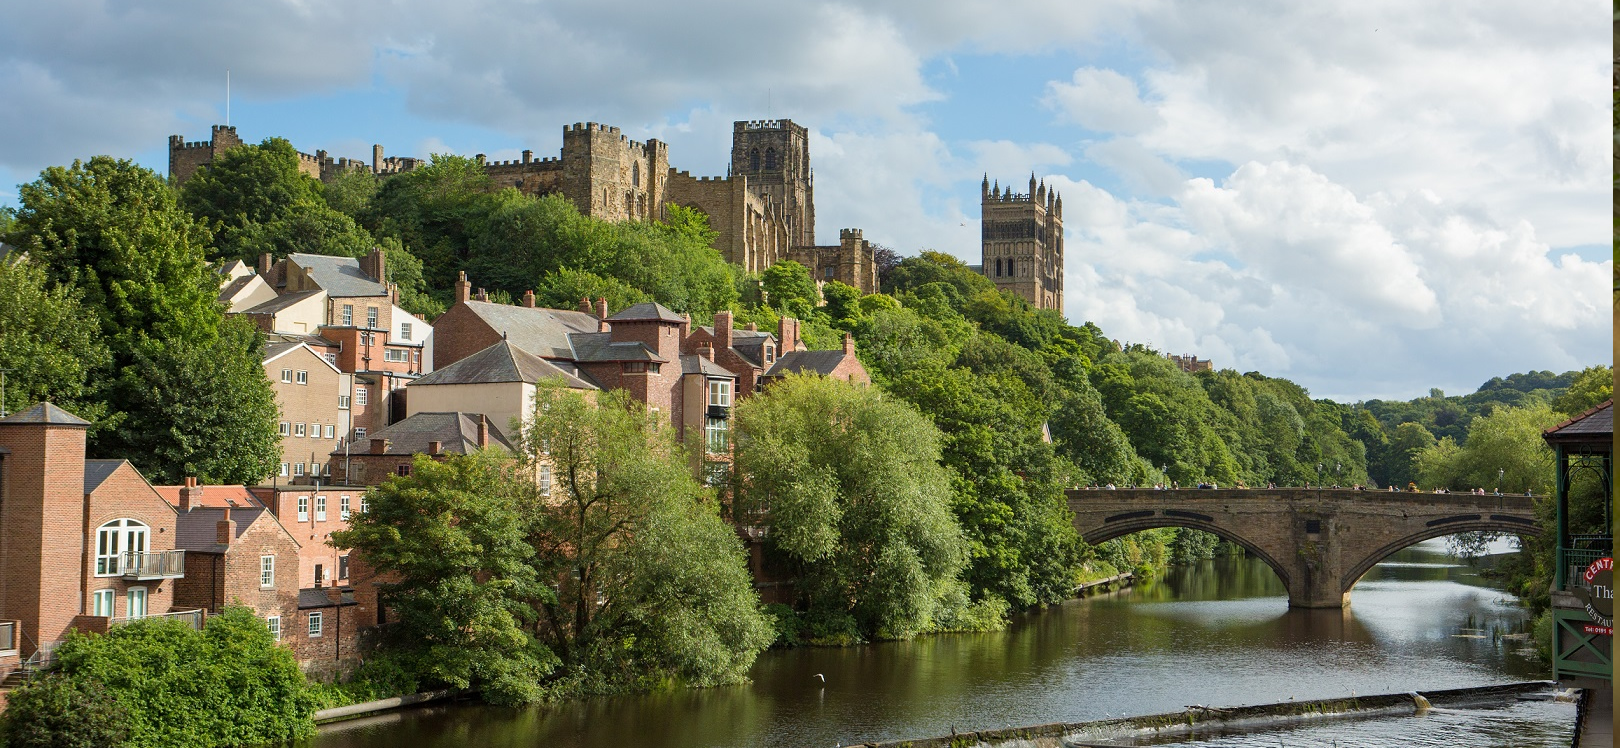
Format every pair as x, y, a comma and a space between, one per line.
315, 597
807, 362
216, 497
293, 337
96, 472
600, 346
339, 276
45, 413
646, 310
231, 289
702, 365
281, 302
456, 433
502, 362
198, 529
543, 332
1595, 425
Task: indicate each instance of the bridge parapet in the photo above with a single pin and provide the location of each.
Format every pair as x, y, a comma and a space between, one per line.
1318, 540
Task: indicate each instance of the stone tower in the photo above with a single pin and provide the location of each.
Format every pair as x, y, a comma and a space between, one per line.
611, 177
775, 156
1023, 241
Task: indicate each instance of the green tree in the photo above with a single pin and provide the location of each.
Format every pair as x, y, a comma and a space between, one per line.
49, 344
1508, 440
843, 303
790, 290
405, 271
199, 408
564, 288
858, 503
437, 211
1097, 445
55, 711
250, 184
450, 537
351, 192
650, 583
1592, 386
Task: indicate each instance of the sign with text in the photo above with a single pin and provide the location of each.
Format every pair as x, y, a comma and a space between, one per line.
1600, 595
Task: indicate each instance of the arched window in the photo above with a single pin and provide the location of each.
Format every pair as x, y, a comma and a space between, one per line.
753, 160
770, 159
998, 267
116, 539
635, 174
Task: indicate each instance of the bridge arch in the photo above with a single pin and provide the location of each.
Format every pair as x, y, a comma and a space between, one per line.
1430, 533
1126, 527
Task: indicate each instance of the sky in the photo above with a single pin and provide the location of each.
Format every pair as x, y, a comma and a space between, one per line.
1371, 199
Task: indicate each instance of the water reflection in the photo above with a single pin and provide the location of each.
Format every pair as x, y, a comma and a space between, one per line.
1219, 632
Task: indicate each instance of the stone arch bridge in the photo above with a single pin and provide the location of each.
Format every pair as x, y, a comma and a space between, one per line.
1319, 541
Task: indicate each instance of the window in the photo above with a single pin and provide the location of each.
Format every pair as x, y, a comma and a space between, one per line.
327, 431
364, 505
267, 571
286, 375
361, 395
303, 509
770, 158
343, 402
343, 567
359, 433
654, 367
720, 392
371, 317
635, 174
404, 470
314, 623
770, 353
545, 446
283, 469
274, 622
303, 377
298, 467
827, 272
416, 356
343, 507
320, 507
716, 436
298, 429
396, 355
404, 331
635, 367
348, 315
356, 475
331, 358
545, 480
753, 160
136, 606
320, 574
114, 539
284, 428
101, 603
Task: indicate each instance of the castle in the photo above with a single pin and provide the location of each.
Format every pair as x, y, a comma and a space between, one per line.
764, 210
1022, 241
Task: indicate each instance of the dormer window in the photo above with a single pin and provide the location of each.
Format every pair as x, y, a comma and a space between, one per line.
770, 353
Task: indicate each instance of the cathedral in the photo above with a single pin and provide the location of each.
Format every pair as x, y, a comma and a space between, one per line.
1022, 241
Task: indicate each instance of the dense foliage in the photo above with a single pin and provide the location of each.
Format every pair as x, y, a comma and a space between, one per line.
159, 682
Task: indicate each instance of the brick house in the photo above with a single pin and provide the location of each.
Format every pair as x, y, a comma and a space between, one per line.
839, 364
498, 381
311, 513
392, 450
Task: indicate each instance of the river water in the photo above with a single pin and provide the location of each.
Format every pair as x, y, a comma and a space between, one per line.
1218, 633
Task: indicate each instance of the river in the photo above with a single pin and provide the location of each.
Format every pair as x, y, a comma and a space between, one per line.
1217, 633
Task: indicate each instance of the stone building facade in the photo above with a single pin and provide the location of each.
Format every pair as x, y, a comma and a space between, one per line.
1022, 241
763, 209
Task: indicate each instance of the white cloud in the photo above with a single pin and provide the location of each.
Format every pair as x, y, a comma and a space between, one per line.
1101, 100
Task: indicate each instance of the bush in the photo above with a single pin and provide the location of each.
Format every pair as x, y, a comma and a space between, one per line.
56, 711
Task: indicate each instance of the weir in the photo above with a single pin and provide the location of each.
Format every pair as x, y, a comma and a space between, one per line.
1318, 541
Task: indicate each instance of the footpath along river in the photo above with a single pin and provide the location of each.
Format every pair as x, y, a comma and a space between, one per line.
1217, 633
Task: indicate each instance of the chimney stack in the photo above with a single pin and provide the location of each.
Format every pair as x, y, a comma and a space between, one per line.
686, 326
528, 298
483, 431
376, 265
849, 344
225, 529
264, 265
376, 159
722, 329
584, 305
379, 446
190, 494
463, 289
483, 295
434, 447
788, 335
601, 315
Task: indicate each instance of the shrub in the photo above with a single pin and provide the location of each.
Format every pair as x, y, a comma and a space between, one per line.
56, 711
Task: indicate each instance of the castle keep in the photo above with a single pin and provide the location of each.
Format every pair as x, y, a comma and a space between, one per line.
1023, 241
764, 210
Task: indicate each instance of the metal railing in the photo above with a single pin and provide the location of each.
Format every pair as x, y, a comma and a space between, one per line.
157, 565
1585, 549
192, 618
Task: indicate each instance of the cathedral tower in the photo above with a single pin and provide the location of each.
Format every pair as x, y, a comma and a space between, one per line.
775, 156
1023, 241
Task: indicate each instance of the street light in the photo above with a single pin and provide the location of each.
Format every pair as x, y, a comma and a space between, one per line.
1499, 473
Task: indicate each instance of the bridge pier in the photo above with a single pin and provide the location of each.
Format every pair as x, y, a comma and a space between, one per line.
1318, 541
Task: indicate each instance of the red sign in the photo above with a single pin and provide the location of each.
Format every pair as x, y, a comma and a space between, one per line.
1603, 564
1603, 630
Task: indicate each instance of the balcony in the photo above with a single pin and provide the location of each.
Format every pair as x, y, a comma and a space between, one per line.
158, 565
192, 618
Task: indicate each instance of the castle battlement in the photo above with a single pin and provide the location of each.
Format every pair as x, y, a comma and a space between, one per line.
846, 234
765, 124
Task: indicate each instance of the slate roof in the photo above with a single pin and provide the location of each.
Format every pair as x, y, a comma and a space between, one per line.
702, 365
235, 286
646, 310
807, 362
750, 344
45, 413
280, 302
543, 332
502, 362
96, 472
1595, 425
457, 433
197, 529
599, 346
293, 337
274, 348
315, 597
339, 276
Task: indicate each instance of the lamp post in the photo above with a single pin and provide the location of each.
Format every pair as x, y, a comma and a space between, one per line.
1499, 473
1338, 470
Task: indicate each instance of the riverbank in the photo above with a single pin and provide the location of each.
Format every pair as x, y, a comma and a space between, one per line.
1196, 720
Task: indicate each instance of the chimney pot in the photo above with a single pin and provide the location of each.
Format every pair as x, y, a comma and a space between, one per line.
225, 529
601, 307
190, 494
483, 431
463, 289
849, 344
584, 305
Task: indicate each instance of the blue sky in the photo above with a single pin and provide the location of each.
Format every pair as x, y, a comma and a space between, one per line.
1371, 199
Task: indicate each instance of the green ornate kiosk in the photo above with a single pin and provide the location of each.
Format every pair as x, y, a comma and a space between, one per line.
1582, 588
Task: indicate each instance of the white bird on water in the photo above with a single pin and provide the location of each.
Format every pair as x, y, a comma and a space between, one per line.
821, 677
